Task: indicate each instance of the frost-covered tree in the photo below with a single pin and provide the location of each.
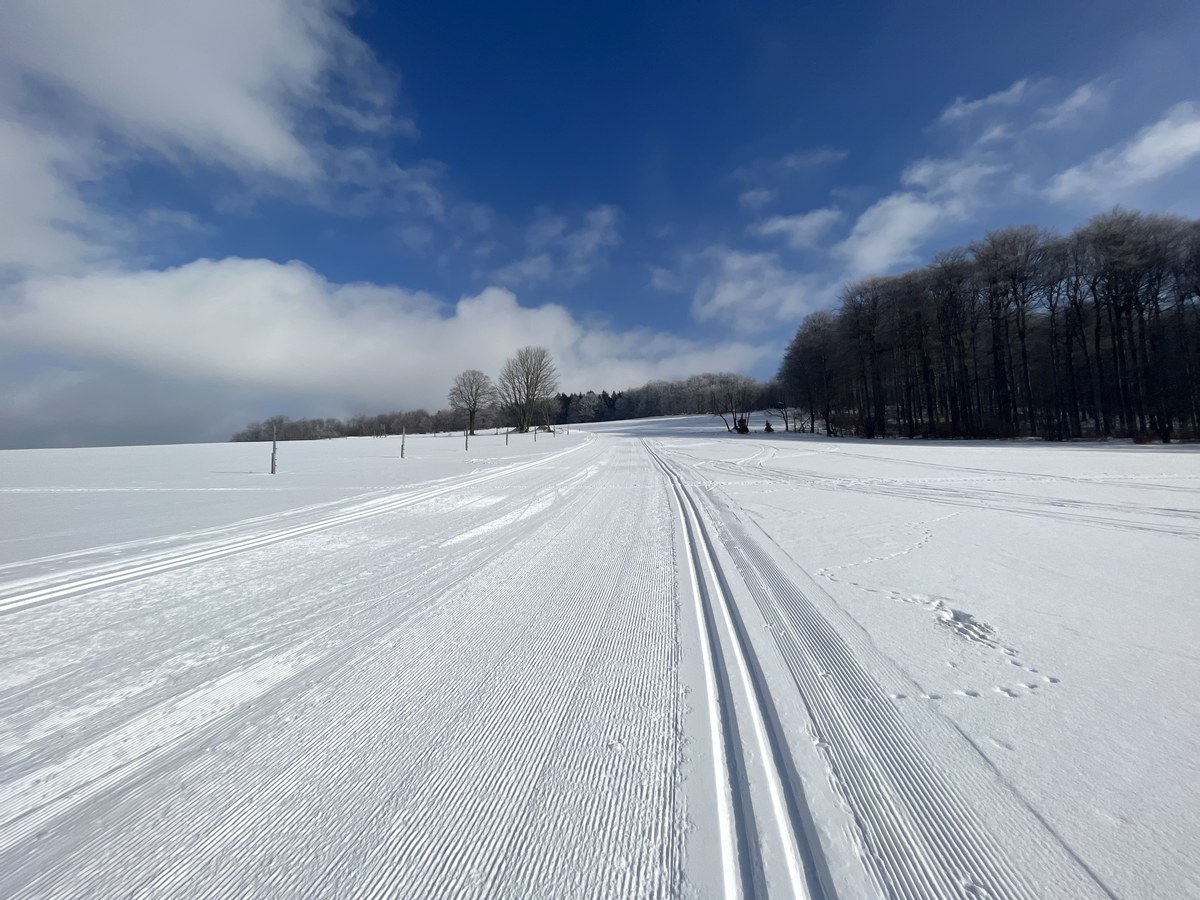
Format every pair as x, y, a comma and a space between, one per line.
527, 381
472, 391
730, 396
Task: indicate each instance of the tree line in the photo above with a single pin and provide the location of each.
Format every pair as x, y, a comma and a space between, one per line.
1023, 333
525, 395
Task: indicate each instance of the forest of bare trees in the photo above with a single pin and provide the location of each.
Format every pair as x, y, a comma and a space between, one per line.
1024, 333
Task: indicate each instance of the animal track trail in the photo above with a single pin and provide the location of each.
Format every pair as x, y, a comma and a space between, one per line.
926, 537
967, 627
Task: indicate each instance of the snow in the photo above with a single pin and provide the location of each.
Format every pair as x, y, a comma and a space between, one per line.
647, 658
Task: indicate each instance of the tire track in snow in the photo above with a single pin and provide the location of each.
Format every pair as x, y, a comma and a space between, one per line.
920, 825
27, 596
768, 840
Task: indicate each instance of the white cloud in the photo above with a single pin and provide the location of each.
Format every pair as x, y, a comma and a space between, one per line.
756, 198
245, 88
888, 234
1090, 97
955, 183
1158, 150
752, 292
597, 234
264, 330
359, 181
44, 223
664, 279
803, 230
770, 170
539, 267
994, 134
561, 252
417, 238
222, 81
962, 108
808, 159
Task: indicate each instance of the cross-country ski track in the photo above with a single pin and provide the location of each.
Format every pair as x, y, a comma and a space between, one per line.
597, 666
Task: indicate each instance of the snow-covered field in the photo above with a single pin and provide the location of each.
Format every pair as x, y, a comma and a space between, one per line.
641, 659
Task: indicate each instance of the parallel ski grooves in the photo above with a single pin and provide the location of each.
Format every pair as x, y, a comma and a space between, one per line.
186, 557
438, 750
923, 838
792, 820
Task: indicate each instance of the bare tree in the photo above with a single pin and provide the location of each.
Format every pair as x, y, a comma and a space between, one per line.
1026, 333
729, 397
527, 381
471, 392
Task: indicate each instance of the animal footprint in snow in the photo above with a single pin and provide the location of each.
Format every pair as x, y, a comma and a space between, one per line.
966, 625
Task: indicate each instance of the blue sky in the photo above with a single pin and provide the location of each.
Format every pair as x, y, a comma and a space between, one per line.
214, 212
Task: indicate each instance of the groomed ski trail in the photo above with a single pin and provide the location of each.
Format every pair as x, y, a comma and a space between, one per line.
917, 806
764, 848
589, 675
23, 593
502, 719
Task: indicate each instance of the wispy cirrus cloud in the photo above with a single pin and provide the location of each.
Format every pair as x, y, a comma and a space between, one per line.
754, 292
1161, 149
757, 198
765, 171
1091, 97
556, 251
962, 108
802, 230
807, 159
888, 233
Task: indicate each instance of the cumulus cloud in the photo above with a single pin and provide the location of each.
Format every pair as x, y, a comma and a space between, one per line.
249, 89
800, 231
260, 330
221, 81
44, 222
1168, 146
